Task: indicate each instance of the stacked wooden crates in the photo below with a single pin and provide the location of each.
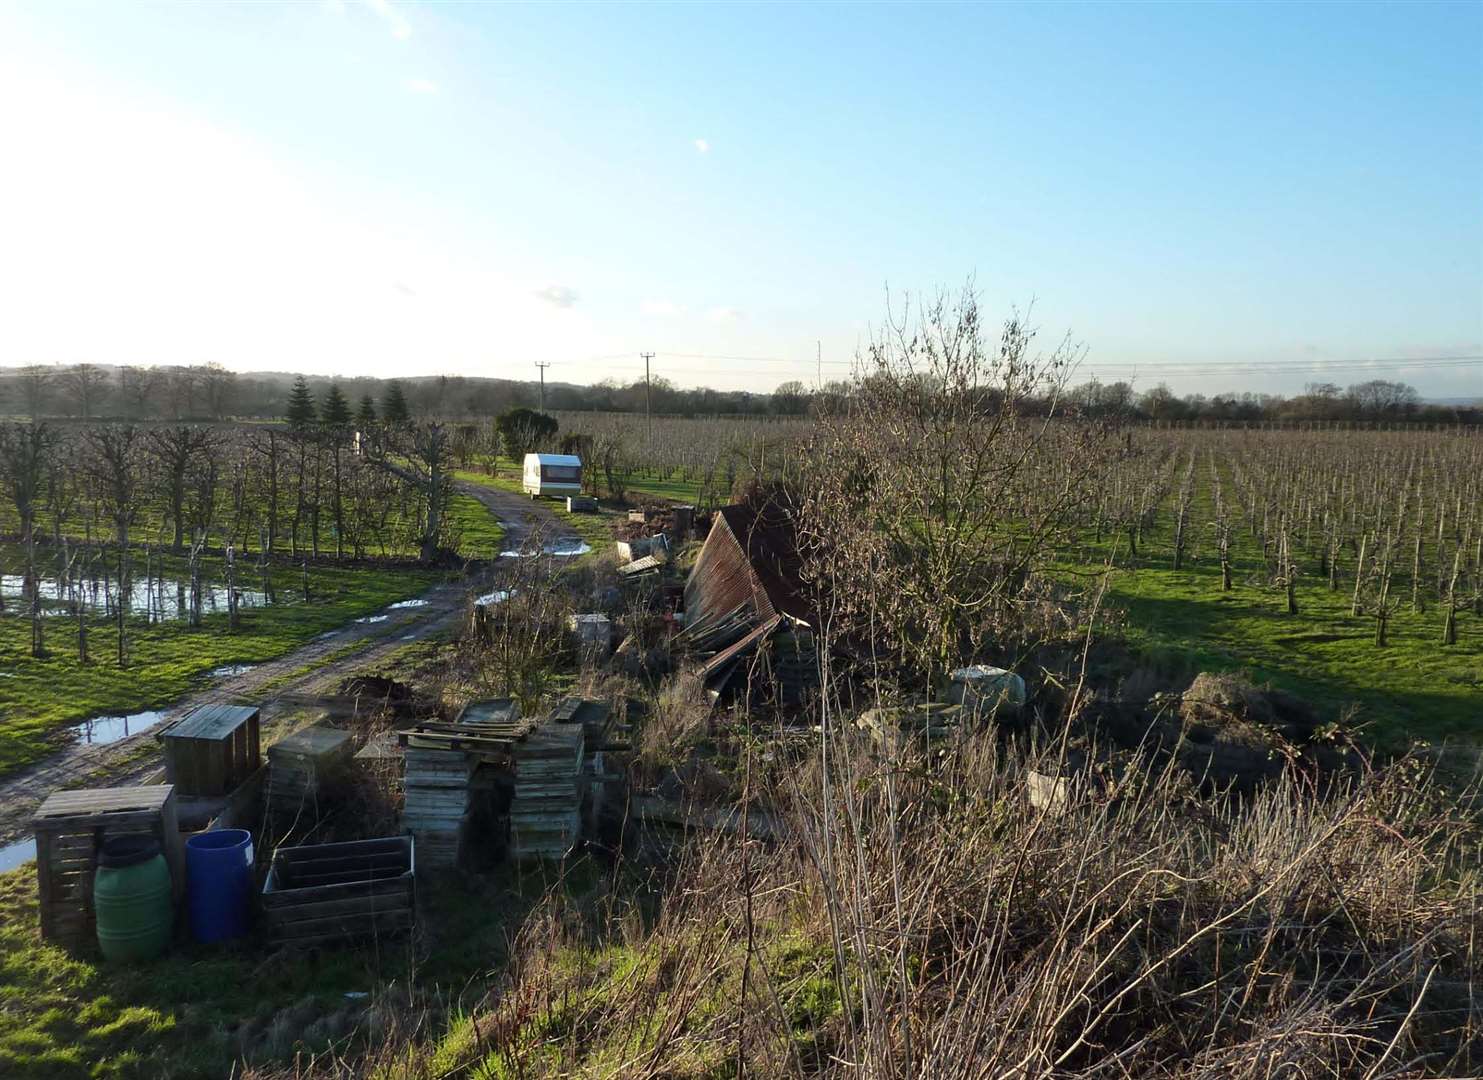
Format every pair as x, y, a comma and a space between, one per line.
71, 826
436, 783
442, 766
546, 814
304, 766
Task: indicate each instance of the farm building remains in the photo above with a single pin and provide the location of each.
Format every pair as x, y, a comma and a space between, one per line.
745, 598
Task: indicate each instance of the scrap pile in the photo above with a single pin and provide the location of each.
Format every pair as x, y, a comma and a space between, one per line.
302, 767
746, 596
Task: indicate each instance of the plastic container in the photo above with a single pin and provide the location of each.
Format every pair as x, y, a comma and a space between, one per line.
218, 875
131, 898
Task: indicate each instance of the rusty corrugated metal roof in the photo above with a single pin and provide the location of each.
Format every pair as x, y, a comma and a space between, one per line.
768, 539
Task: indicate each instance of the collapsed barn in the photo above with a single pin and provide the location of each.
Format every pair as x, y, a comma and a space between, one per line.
747, 608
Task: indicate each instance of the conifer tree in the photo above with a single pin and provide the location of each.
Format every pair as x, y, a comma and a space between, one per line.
365, 418
336, 412
302, 411
394, 408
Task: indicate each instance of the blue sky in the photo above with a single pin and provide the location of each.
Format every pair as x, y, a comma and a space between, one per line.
1223, 197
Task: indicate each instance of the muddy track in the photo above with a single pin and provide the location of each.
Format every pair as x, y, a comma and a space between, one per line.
316, 667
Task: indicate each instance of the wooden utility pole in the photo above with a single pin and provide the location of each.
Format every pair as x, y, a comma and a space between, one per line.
648, 405
543, 366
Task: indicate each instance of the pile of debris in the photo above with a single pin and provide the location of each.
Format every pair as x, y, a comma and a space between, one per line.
746, 597
1226, 732
675, 522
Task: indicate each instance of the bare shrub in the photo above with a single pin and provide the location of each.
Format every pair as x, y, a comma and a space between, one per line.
942, 482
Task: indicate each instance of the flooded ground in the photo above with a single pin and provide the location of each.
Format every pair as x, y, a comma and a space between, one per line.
102, 730
12, 855
227, 671
159, 599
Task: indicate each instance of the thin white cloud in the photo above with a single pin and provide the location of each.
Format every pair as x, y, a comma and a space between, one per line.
420, 86
702, 146
561, 296
661, 308
400, 28
724, 315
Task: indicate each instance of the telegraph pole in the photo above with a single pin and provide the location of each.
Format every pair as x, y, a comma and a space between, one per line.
648, 407
543, 367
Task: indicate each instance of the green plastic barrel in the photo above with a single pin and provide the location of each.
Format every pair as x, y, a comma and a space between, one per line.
131, 897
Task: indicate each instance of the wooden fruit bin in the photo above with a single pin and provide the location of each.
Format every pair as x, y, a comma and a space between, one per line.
321, 893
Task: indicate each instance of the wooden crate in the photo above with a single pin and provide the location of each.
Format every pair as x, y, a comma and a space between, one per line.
213, 750
335, 892
305, 765
69, 828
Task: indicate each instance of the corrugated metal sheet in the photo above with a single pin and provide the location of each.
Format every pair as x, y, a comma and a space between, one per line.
721, 581
750, 559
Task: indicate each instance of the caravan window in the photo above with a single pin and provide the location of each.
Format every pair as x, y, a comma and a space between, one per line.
561, 474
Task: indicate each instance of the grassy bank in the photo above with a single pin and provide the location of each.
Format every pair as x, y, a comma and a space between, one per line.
198, 1010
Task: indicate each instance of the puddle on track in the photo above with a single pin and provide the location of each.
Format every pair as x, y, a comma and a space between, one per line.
102, 730
12, 855
226, 671
564, 549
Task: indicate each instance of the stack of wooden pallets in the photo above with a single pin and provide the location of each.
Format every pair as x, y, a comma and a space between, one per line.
436, 783
441, 760
303, 767
546, 814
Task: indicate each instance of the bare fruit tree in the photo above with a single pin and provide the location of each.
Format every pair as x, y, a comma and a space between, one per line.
25, 452
945, 477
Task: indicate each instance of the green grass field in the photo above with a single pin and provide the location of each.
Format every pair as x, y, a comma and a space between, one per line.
1180, 622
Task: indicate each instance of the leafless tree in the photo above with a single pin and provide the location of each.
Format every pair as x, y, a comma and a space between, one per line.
219, 386
25, 450
85, 385
138, 388
430, 455
933, 492
175, 450
113, 463
36, 383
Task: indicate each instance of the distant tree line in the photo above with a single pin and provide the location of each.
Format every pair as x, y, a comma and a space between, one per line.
210, 392
1375, 401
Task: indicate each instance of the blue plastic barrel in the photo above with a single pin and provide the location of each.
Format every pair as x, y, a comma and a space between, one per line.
218, 875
